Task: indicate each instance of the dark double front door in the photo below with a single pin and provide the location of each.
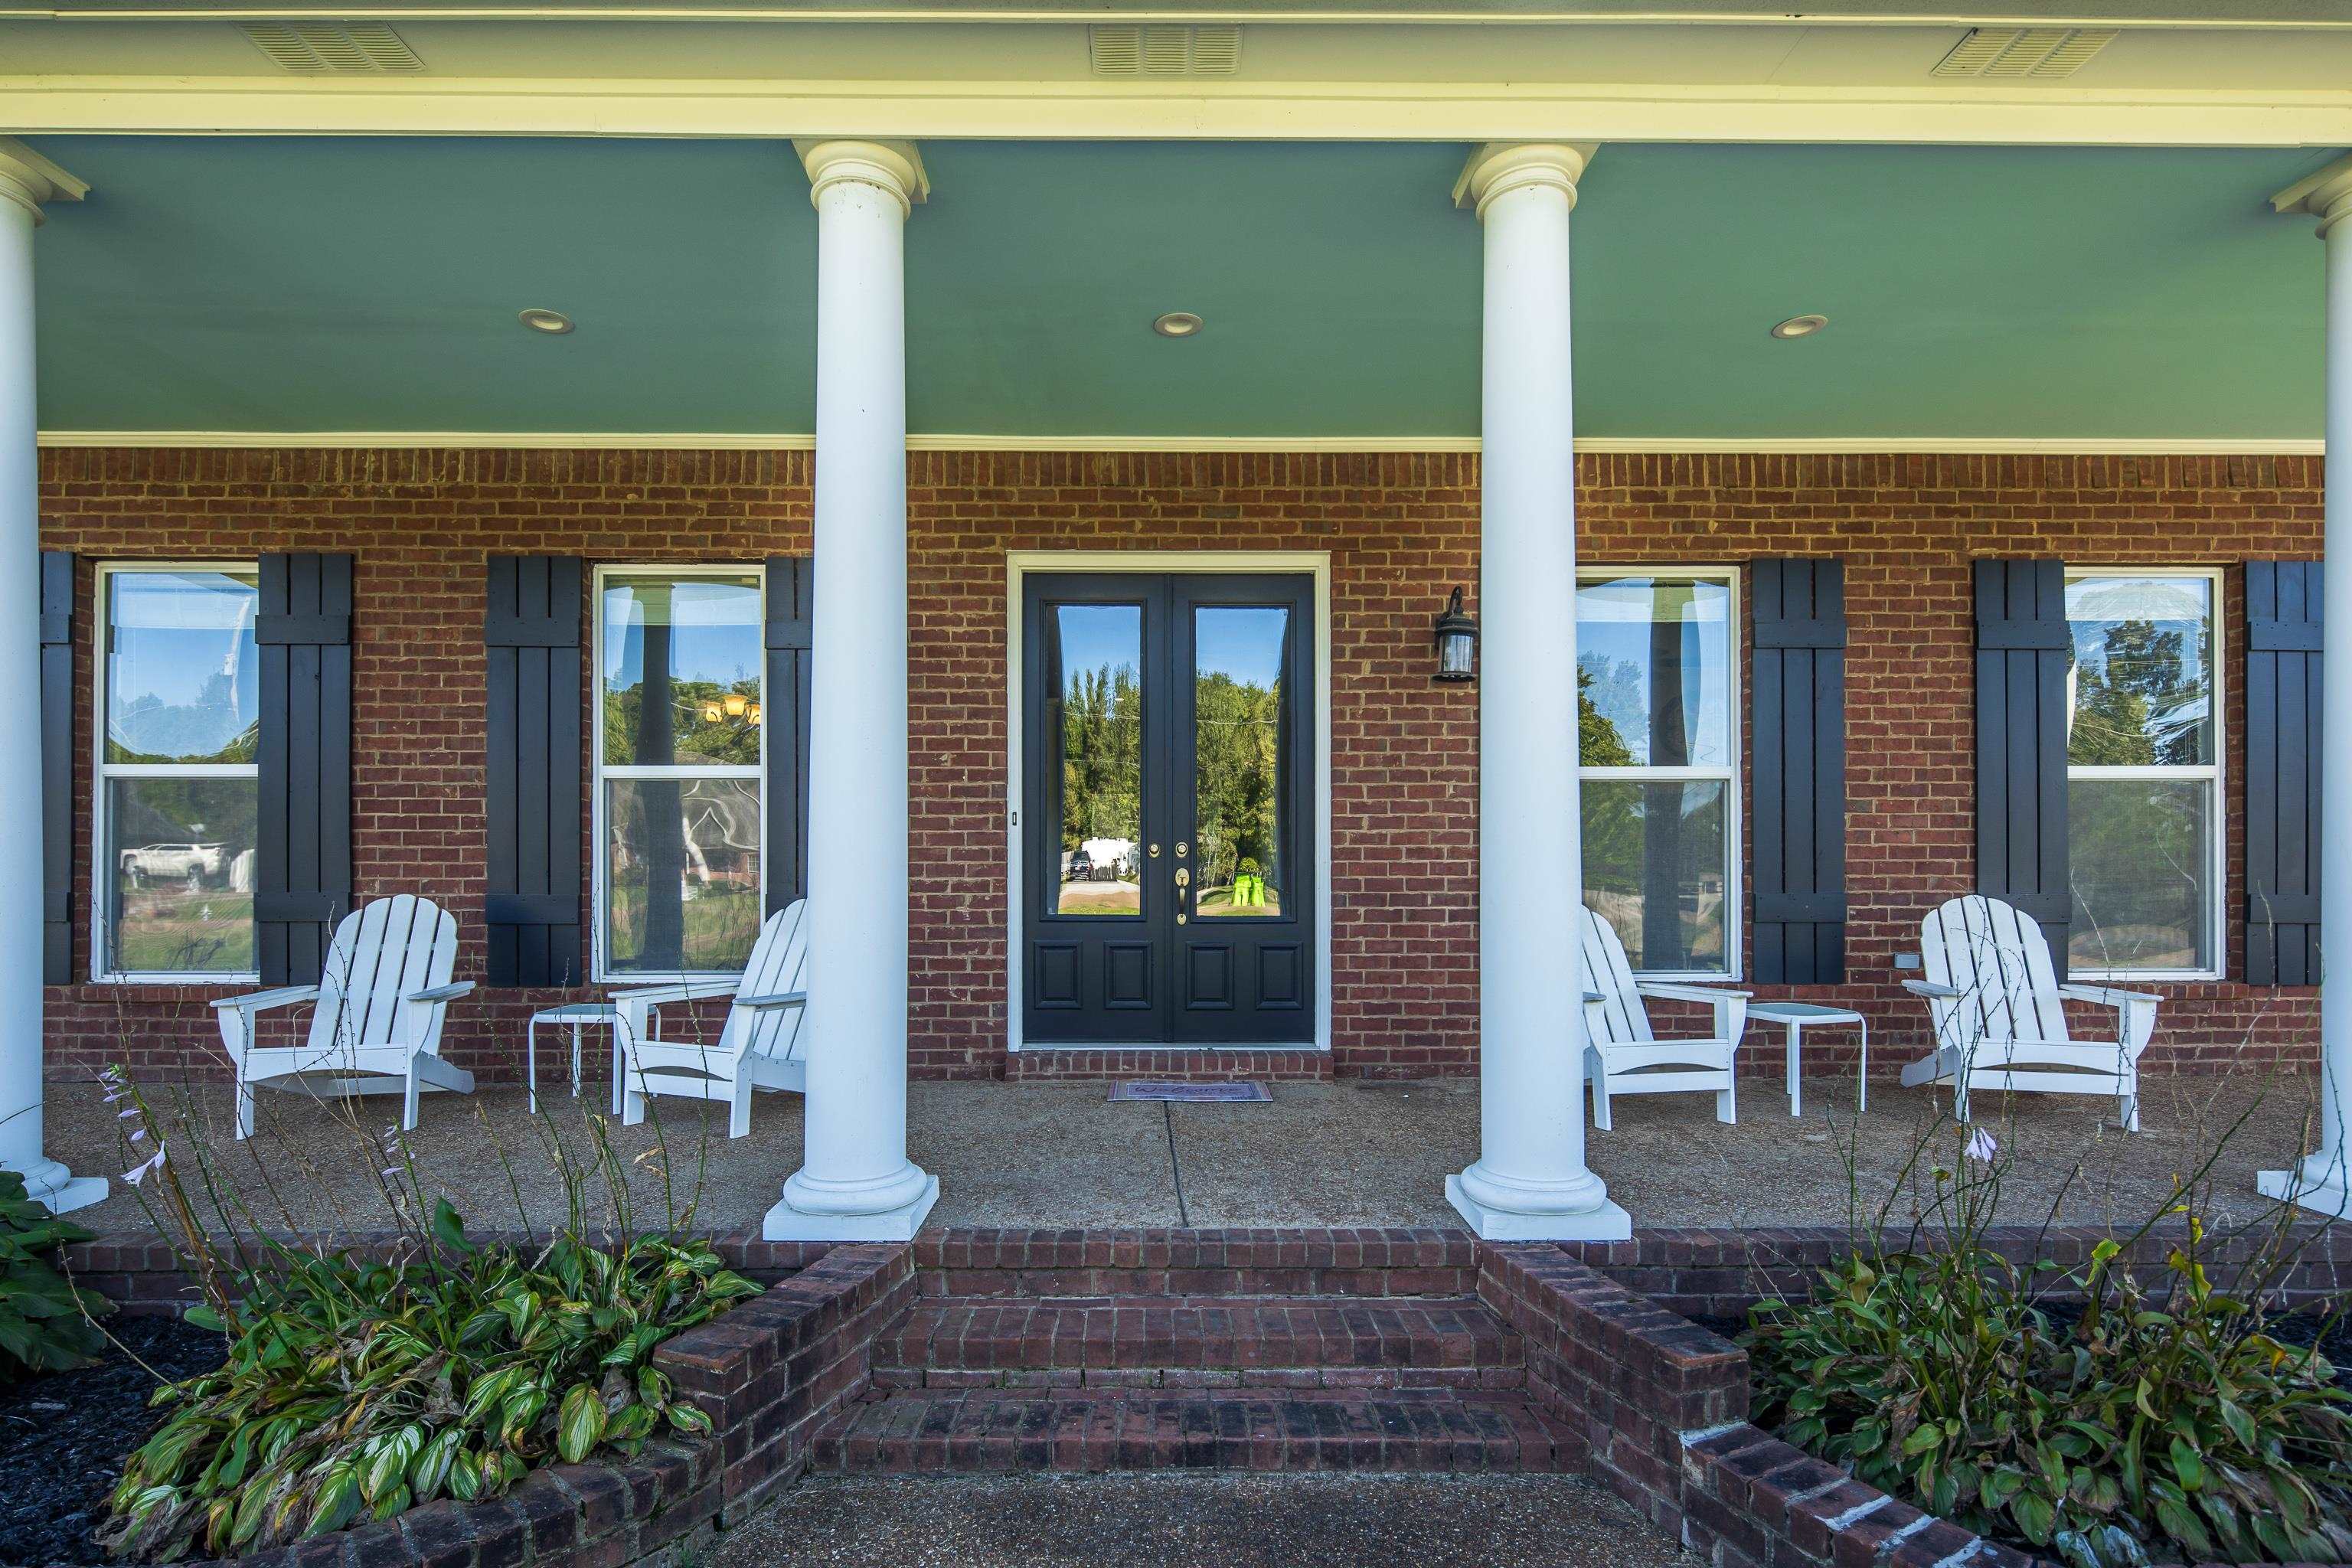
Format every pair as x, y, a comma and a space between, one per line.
1169, 774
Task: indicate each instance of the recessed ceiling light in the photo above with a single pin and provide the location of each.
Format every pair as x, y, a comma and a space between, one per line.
1177, 324
1800, 326
553, 323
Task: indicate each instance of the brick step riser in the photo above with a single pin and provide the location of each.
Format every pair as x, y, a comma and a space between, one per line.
1178, 1377
1353, 1284
1130, 1342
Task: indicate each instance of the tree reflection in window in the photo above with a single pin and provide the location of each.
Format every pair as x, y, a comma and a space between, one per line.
1100, 708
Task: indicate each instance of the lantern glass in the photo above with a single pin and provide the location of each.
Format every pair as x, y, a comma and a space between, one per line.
1454, 649
1457, 641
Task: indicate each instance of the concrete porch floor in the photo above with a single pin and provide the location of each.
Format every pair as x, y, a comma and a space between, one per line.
1341, 1154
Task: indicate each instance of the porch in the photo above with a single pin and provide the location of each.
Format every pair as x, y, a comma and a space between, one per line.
500, 711
1345, 1152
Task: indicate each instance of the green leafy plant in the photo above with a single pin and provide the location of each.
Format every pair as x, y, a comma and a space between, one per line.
2159, 1425
47, 1322
359, 1389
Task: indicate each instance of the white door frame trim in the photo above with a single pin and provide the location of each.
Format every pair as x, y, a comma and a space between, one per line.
1018, 563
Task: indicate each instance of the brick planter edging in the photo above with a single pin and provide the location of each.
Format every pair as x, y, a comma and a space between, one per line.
1662, 1404
767, 1372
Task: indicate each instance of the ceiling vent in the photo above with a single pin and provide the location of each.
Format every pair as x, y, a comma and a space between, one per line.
2016, 54
333, 49
1124, 50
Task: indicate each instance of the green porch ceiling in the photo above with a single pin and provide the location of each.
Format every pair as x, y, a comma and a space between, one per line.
300, 284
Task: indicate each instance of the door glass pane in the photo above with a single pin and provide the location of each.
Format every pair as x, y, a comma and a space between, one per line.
1240, 759
182, 676
1099, 713
180, 874
1653, 673
681, 875
683, 657
2141, 851
1653, 868
2141, 689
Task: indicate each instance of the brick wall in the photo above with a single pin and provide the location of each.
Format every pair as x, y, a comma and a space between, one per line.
1399, 528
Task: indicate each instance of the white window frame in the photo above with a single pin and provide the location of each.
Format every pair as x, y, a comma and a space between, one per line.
102, 875
2216, 824
599, 771
1735, 896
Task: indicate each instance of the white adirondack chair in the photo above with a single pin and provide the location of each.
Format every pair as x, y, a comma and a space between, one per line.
375, 1022
1622, 1056
764, 1044
2000, 1018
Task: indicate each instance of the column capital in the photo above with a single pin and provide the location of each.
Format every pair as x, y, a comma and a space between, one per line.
895, 166
29, 179
1500, 167
2325, 195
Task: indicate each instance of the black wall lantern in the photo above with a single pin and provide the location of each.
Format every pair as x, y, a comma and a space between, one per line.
1457, 641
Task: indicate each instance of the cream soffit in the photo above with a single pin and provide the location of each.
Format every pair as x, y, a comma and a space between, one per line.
701, 441
1192, 110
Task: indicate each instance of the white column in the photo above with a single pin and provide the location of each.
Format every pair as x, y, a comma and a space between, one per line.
1530, 1181
856, 1182
2320, 1181
26, 180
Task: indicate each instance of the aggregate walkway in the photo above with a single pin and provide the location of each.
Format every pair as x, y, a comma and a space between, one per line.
1165, 1519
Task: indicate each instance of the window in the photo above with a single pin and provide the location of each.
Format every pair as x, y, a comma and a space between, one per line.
178, 788
2144, 774
680, 661
1657, 735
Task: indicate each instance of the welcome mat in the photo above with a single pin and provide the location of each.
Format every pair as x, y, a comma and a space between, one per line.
1191, 1093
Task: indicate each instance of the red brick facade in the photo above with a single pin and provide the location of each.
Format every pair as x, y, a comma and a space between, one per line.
1398, 528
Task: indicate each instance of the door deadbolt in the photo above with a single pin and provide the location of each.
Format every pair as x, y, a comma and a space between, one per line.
1180, 847
1155, 852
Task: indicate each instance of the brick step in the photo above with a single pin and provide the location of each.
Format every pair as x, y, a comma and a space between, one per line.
1355, 1262
1146, 1341
941, 1432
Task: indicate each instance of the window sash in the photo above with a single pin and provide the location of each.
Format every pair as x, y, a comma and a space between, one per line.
621, 574
2210, 773
680, 771
1734, 923
102, 969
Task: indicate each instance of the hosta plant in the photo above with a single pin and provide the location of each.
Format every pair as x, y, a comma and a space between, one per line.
47, 1322
2157, 1427
354, 1389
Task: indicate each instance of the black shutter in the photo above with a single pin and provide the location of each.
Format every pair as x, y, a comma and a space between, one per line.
2022, 649
2283, 798
1799, 771
790, 639
530, 638
57, 768
303, 855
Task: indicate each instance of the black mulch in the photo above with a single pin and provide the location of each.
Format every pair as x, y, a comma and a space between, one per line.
63, 1438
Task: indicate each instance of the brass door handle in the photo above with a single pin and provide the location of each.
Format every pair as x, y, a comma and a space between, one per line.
1183, 877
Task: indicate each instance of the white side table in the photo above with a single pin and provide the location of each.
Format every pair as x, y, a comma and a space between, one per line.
581, 1016
1797, 1016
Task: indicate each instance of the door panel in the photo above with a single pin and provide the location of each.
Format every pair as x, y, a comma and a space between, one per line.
1095, 723
1243, 700
1167, 837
